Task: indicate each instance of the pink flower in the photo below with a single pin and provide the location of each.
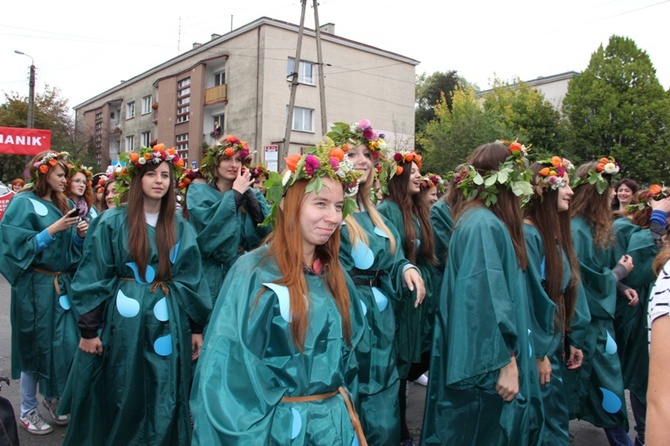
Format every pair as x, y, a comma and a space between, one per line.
552, 180
370, 134
334, 163
311, 164
244, 154
397, 157
560, 171
364, 124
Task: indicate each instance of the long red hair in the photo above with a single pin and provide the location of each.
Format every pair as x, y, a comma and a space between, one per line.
41, 187
285, 244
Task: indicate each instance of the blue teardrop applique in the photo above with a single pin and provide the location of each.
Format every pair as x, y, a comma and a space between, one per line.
364, 307
355, 442
283, 297
40, 209
362, 255
611, 402
126, 306
296, 423
380, 233
174, 251
150, 273
163, 345
64, 302
530, 345
380, 298
161, 310
610, 345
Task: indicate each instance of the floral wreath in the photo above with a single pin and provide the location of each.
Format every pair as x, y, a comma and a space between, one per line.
655, 192
607, 166
324, 160
50, 160
553, 176
513, 174
259, 170
187, 178
228, 146
135, 163
431, 180
107, 177
87, 171
361, 132
392, 166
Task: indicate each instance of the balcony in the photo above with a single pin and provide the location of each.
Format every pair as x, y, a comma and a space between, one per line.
216, 94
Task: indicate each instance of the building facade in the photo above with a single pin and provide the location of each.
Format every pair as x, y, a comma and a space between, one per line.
240, 83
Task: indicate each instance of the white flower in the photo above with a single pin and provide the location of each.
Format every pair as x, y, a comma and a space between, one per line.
142, 160
353, 127
611, 168
352, 191
286, 178
382, 144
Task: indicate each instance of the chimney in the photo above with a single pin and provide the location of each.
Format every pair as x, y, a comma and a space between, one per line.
196, 45
327, 28
215, 36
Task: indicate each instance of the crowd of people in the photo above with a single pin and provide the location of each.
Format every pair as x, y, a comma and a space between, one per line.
153, 305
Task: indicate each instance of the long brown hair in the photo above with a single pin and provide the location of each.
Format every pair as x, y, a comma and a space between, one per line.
41, 187
285, 244
507, 208
593, 207
411, 206
88, 196
166, 236
554, 229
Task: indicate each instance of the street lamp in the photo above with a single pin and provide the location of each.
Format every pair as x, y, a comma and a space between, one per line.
31, 91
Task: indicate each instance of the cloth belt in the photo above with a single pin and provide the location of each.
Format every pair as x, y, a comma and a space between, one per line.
368, 278
154, 285
353, 416
56, 275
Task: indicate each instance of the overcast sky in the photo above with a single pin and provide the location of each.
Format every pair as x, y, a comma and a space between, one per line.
85, 48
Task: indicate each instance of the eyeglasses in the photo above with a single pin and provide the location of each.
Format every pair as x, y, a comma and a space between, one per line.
78, 180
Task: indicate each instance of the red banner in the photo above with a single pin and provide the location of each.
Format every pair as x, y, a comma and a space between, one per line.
4, 201
20, 141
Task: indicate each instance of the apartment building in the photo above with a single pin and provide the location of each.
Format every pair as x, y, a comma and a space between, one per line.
239, 83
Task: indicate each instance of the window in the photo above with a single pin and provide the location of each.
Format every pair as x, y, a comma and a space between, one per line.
219, 78
130, 143
182, 146
146, 104
98, 116
303, 119
217, 126
146, 139
130, 110
305, 73
183, 99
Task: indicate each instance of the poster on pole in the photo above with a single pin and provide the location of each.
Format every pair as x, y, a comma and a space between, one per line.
271, 154
20, 141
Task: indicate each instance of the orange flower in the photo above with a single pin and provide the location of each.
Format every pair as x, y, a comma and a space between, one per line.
556, 161
655, 189
418, 159
52, 162
171, 151
409, 158
601, 166
604, 160
336, 152
292, 161
229, 152
159, 147
515, 147
179, 163
147, 156
544, 172
134, 157
398, 170
345, 147
44, 168
186, 182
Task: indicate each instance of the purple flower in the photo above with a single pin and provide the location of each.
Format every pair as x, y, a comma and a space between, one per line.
311, 164
370, 134
244, 154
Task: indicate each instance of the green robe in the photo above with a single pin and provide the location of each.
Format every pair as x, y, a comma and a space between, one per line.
44, 324
377, 372
598, 382
548, 338
443, 224
483, 317
224, 231
136, 392
249, 363
630, 323
414, 325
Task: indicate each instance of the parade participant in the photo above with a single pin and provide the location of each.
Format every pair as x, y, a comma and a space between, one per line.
639, 235
260, 174
600, 383
80, 191
624, 193
281, 344
17, 185
432, 188
41, 242
369, 252
559, 312
409, 214
482, 366
143, 305
226, 212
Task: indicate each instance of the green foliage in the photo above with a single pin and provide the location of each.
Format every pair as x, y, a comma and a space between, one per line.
617, 107
430, 91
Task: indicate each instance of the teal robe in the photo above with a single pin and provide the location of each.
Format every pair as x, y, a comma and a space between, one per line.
599, 381
249, 363
483, 317
630, 323
414, 325
443, 224
224, 231
378, 381
44, 324
548, 338
137, 391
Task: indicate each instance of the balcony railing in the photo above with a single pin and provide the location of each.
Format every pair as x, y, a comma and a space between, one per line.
216, 94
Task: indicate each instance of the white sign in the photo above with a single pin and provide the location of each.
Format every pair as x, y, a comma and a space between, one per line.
271, 154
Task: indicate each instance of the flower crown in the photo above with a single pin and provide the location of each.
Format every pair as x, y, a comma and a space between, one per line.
107, 177
258, 170
655, 192
607, 166
187, 177
553, 176
431, 180
43, 166
135, 163
87, 171
392, 166
324, 160
228, 146
512, 174
358, 133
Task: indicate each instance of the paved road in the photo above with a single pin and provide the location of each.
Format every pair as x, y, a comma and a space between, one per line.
584, 433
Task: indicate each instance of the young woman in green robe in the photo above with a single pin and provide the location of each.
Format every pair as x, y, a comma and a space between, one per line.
41, 242
142, 305
80, 191
483, 387
409, 214
225, 210
369, 252
599, 383
559, 312
279, 363
640, 234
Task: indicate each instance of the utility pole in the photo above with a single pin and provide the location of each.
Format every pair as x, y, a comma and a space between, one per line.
31, 91
322, 88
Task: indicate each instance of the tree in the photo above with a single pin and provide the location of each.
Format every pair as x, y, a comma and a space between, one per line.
51, 113
617, 107
430, 90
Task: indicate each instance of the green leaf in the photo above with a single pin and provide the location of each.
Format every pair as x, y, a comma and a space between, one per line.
503, 175
478, 180
522, 188
349, 207
491, 180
